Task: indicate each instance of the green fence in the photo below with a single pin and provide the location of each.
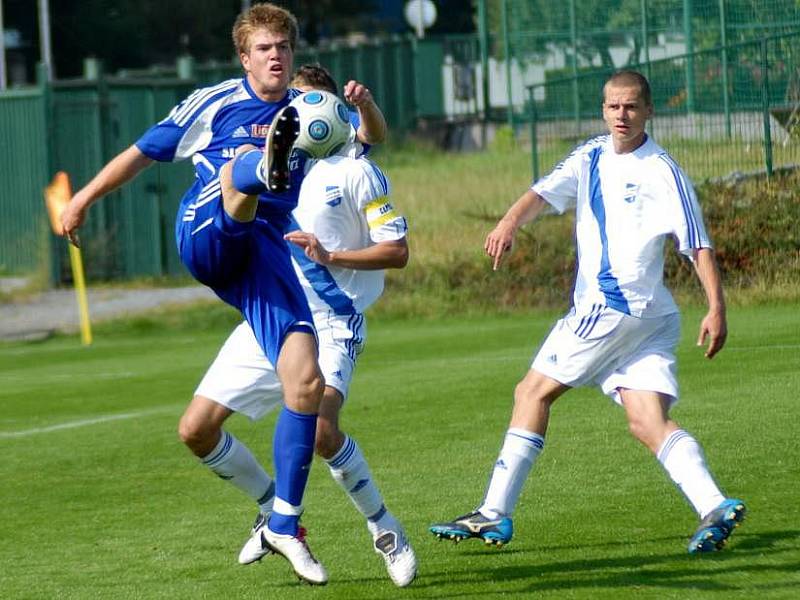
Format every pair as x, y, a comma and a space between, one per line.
744, 113
77, 126
24, 237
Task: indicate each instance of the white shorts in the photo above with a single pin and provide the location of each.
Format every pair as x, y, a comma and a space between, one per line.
613, 350
243, 380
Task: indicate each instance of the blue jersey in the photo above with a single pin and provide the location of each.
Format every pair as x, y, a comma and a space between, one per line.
246, 264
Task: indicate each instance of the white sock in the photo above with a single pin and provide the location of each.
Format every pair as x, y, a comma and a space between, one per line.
232, 461
350, 470
519, 452
683, 459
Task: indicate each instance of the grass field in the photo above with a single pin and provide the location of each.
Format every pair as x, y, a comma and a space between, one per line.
100, 500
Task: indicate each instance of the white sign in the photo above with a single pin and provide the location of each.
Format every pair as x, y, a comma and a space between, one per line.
420, 14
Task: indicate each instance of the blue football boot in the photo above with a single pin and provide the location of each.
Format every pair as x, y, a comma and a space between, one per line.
717, 526
474, 525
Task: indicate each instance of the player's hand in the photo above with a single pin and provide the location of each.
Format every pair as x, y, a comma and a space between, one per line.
311, 246
72, 218
713, 328
499, 241
357, 93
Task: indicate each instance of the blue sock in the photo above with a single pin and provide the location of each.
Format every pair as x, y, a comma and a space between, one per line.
293, 451
245, 173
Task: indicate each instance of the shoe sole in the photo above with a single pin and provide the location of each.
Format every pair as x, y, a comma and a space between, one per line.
457, 535
714, 538
282, 134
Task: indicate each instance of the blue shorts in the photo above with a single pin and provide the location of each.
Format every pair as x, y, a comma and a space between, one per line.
248, 265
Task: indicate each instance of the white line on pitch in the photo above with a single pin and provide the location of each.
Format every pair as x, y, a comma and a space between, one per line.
83, 423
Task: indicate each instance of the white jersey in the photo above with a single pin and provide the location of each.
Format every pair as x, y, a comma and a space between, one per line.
344, 201
626, 206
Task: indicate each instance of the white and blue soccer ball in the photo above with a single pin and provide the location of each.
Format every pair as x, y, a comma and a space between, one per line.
324, 124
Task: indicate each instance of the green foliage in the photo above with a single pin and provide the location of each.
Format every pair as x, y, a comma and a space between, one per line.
126, 512
754, 228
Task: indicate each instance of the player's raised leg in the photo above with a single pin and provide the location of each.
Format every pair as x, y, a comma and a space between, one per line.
523, 443
254, 172
350, 470
683, 459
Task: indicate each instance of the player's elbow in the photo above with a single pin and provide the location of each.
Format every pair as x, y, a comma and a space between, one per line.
400, 258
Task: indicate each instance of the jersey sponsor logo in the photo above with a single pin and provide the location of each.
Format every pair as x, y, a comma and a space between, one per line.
259, 130
630, 192
333, 195
228, 152
240, 132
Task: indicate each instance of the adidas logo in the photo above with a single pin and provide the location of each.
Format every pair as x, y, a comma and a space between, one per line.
240, 132
553, 358
500, 464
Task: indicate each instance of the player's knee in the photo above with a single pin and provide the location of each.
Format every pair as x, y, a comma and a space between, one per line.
198, 436
529, 394
305, 393
644, 432
325, 443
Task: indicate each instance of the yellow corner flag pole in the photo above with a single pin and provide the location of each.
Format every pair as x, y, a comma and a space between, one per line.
56, 198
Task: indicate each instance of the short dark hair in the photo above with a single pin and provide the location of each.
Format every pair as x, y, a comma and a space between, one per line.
629, 77
316, 76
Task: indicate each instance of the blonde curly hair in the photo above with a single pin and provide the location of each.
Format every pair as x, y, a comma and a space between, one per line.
263, 16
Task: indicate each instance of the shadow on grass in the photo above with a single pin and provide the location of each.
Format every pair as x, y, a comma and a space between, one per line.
751, 554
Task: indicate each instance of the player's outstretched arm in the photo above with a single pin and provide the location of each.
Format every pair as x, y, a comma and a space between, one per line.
714, 326
119, 170
391, 254
501, 238
372, 129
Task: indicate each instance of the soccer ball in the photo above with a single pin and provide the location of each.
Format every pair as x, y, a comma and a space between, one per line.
324, 124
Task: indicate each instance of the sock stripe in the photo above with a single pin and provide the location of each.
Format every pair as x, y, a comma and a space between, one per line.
377, 516
537, 441
347, 451
282, 507
670, 442
215, 459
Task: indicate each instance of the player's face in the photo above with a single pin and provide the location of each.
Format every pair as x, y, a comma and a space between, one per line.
268, 64
625, 114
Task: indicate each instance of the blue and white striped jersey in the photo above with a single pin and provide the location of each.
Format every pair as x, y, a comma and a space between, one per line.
210, 124
626, 205
207, 127
345, 202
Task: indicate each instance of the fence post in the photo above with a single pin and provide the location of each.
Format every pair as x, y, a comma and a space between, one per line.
645, 42
53, 250
723, 36
507, 61
573, 32
483, 36
765, 107
533, 133
688, 34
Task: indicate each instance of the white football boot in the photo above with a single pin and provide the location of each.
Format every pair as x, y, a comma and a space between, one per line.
397, 553
255, 548
296, 551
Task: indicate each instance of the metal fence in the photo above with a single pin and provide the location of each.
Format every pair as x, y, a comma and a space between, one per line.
720, 110
77, 126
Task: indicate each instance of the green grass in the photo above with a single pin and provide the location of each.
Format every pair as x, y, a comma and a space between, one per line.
119, 508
